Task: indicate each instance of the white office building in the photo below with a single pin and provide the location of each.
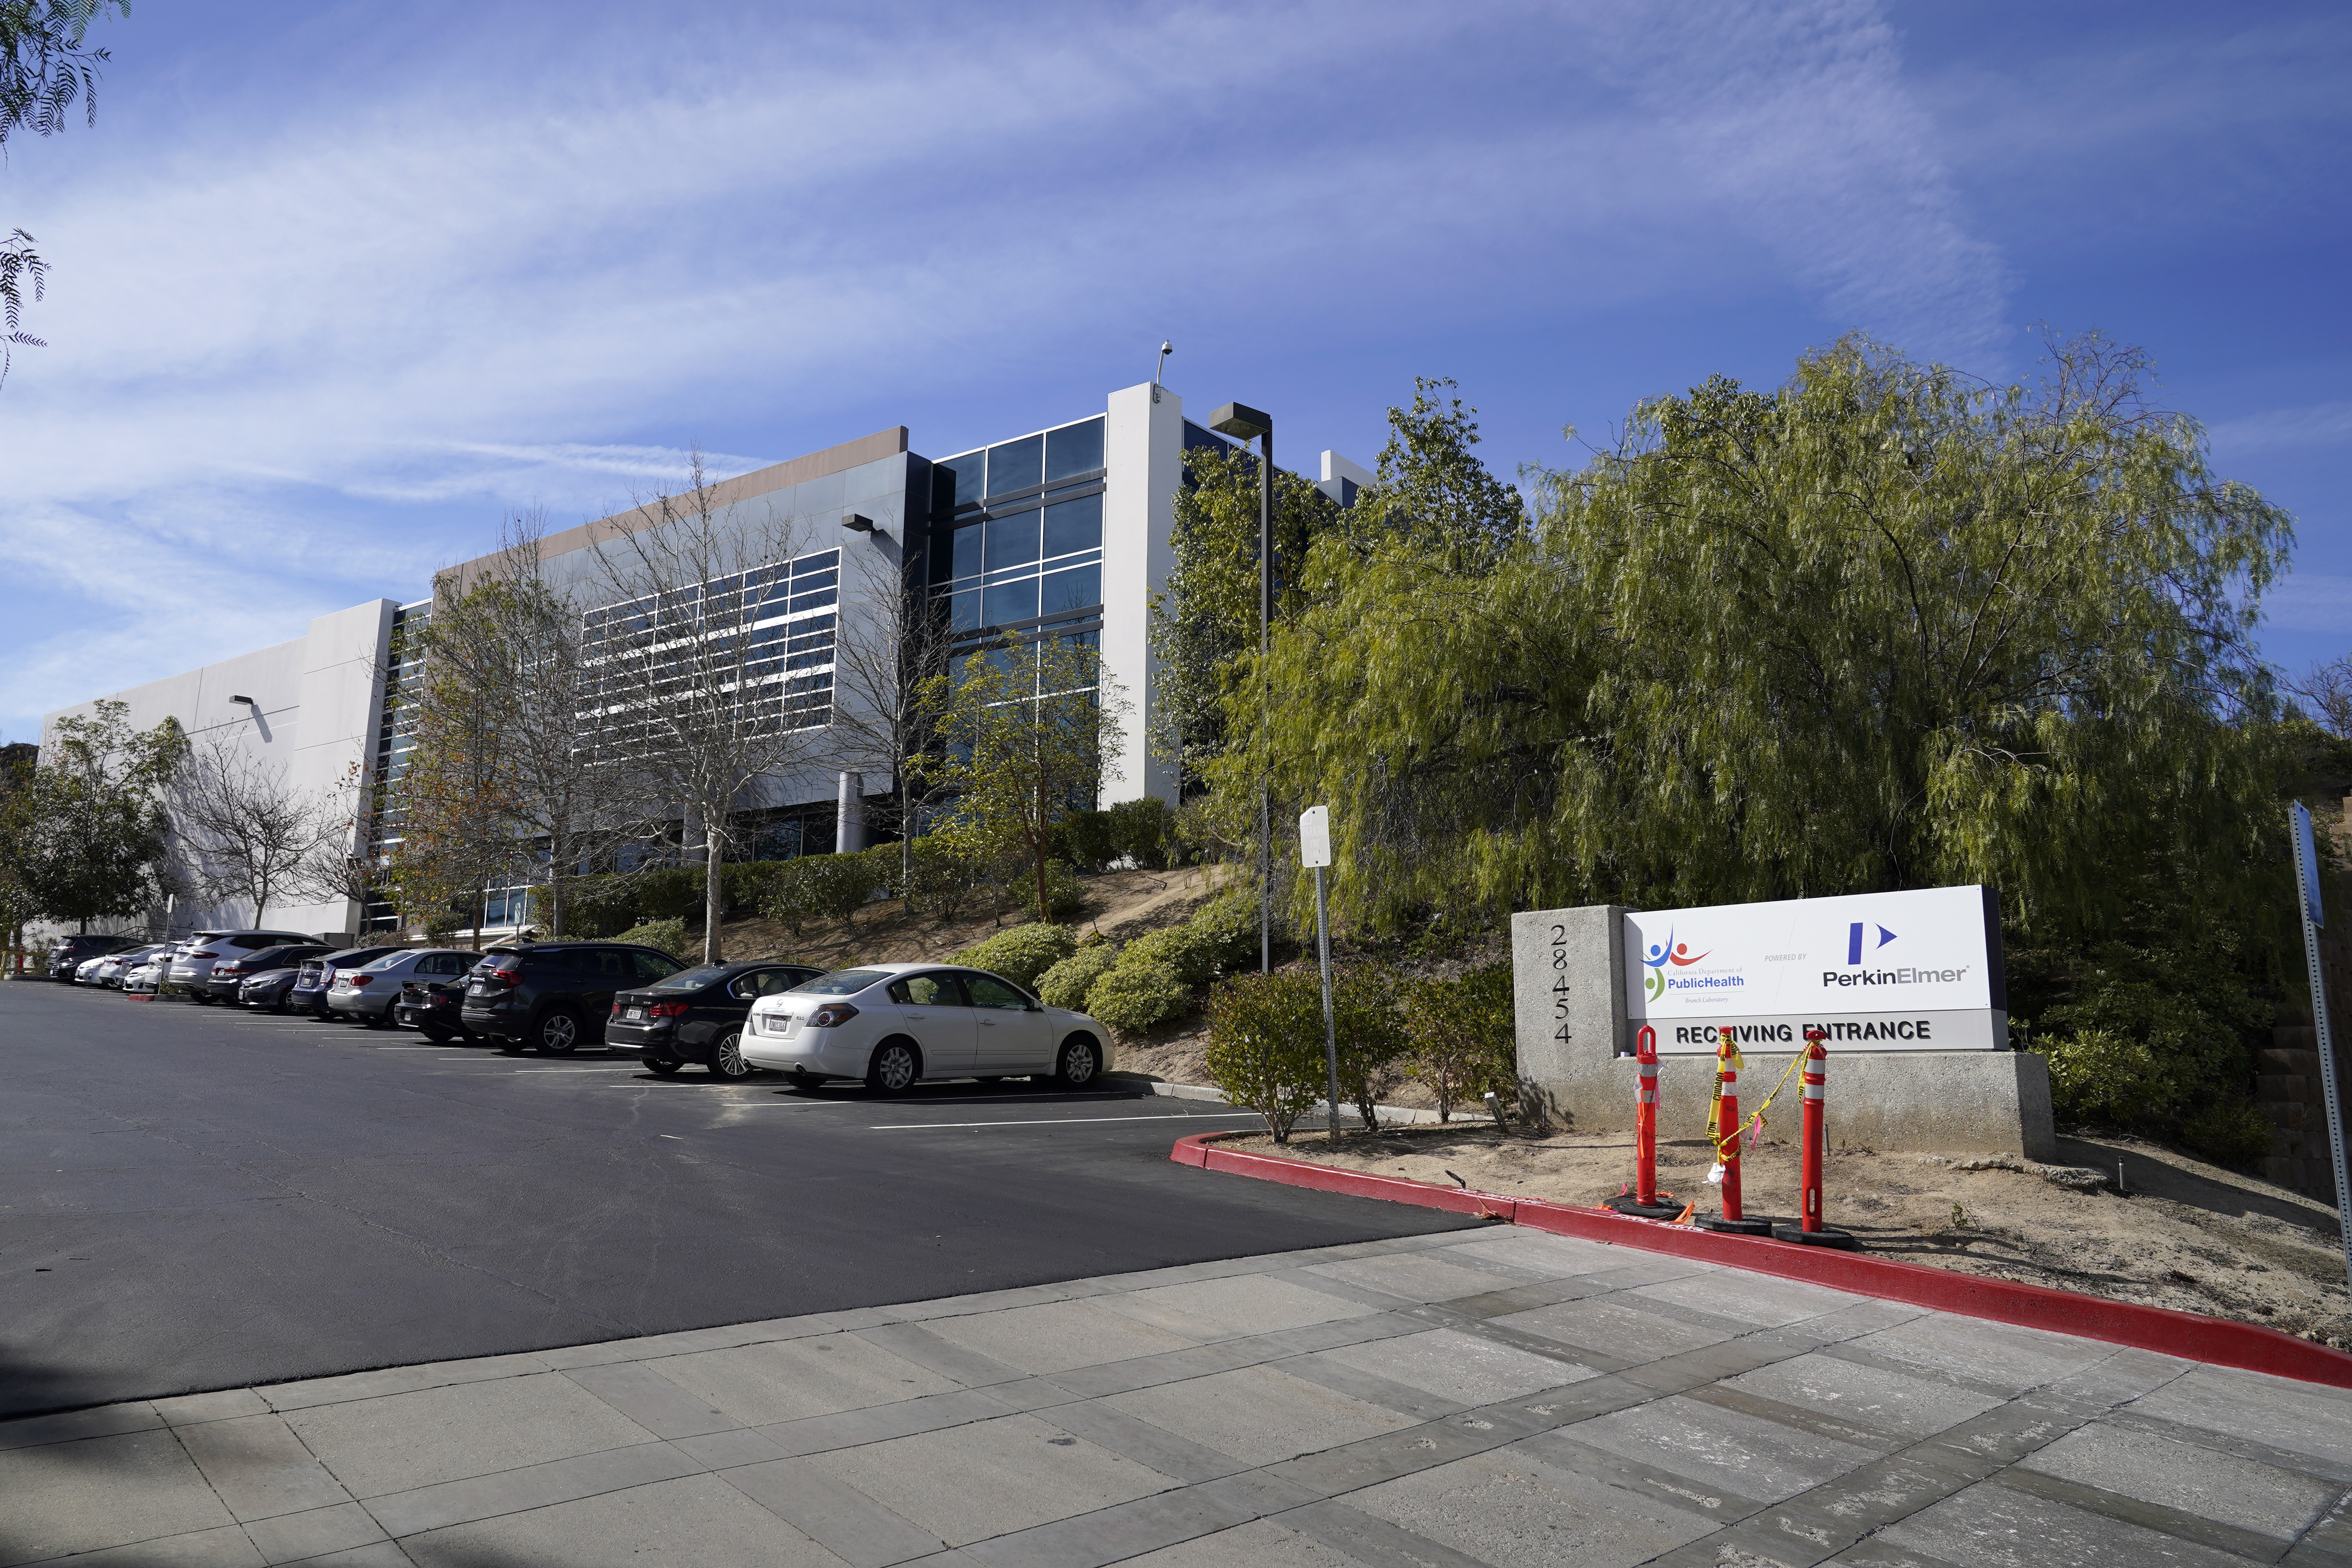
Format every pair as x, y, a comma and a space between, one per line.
1058, 533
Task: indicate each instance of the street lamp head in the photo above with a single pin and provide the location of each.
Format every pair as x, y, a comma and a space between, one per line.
858, 523
248, 701
1241, 421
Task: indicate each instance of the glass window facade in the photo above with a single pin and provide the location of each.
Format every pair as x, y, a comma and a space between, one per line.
1033, 555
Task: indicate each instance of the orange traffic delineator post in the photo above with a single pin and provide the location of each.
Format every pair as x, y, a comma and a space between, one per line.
1723, 1127
1809, 1228
1645, 1202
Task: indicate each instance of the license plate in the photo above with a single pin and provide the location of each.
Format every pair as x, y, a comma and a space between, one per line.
634, 1012
475, 989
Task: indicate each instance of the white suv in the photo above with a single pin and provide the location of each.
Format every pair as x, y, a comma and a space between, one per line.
891, 1024
194, 959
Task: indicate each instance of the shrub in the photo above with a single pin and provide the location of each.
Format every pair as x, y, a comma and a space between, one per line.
1067, 984
1064, 895
1022, 954
598, 906
1462, 1037
1136, 994
1368, 1033
1266, 1044
1089, 838
2229, 1130
2106, 1077
1143, 831
838, 886
666, 936
674, 892
944, 880
1227, 927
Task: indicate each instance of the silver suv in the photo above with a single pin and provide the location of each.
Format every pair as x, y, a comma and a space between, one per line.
195, 960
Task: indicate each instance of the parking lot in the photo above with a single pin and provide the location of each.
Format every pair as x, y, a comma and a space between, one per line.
201, 1198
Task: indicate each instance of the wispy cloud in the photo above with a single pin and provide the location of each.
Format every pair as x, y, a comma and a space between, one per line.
2320, 424
325, 334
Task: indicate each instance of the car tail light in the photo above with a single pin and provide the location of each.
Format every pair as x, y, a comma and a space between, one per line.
666, 1010
831, 1014
359, 979
203, 955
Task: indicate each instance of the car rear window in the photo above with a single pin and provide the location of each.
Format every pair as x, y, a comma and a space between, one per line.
389, 959
693, 979
843, 982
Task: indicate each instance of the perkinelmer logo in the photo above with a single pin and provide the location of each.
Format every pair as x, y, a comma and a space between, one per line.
1853, 939
1855, 934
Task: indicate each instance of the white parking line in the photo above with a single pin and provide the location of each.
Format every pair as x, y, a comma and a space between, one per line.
1068, 1121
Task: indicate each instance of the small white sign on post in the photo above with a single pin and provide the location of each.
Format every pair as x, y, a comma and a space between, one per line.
1315, 855
1315, 836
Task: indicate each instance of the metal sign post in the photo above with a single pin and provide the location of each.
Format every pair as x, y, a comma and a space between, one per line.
1315, 852
2307, 875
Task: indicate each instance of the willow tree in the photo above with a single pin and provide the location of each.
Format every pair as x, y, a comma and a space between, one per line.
1883, 627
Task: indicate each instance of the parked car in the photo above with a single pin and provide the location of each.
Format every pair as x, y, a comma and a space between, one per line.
317, 976
228, 977
146, 975
268, 983
68, 952
892, 1024
557, 995
365, 994
697, 1015
193, 964
115, 965
86, 972
434, 1006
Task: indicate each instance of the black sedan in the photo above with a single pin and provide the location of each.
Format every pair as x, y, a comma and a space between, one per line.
696, 1015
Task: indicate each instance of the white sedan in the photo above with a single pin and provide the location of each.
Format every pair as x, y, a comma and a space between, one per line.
891, 1024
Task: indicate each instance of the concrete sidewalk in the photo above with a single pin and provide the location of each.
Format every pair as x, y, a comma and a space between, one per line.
1492, 1396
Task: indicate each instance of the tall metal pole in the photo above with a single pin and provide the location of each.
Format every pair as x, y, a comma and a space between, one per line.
2307, 875
1330, 1025
1264, 718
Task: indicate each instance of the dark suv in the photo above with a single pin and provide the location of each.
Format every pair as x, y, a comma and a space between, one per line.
68, 953
557, 995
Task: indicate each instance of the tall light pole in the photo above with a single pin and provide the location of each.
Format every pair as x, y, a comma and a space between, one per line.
1241, 421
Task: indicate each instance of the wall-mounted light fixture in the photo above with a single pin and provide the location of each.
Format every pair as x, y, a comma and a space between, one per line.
248, 701
857, 524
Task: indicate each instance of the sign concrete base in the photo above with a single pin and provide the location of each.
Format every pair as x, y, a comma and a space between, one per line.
1567, 968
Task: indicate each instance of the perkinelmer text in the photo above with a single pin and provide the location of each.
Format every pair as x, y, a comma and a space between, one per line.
1892, 977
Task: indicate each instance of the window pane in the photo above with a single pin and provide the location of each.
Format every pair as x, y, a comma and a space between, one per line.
1073, 525
967, 472
965, 553
1016, 465
1074, 449
1007, 601
1074, 590
987, 991
1012, 540
964, 612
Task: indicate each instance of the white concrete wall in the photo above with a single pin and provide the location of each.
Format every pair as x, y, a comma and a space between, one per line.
313, 715
1143, 455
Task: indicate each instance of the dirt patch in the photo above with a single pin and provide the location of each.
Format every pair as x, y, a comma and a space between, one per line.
2181, 1234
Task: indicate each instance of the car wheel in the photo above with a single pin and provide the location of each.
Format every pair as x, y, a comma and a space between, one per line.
1078, 1063
662, 1066
727, 1056
895, 1067
440, 1035
556, 1032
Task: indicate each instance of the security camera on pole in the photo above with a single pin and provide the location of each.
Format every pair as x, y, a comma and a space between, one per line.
1315, 854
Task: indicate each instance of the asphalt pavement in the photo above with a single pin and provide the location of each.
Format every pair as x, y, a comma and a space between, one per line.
194, 1199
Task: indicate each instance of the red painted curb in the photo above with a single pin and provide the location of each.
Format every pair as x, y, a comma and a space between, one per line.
2189, 1335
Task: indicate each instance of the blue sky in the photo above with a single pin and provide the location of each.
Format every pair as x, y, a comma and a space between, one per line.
336, 284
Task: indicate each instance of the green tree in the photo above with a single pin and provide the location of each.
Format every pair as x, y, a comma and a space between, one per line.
1882, 628
1204, 622
1433, 490
449, 819
1028, 731
100, 840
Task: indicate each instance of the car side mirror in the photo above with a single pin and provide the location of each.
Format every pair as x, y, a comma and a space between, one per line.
1035, 1007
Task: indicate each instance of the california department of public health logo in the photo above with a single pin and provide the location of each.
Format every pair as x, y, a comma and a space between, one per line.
1661, 954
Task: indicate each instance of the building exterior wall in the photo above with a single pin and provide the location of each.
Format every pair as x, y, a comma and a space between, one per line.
1143, 452
312, 723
